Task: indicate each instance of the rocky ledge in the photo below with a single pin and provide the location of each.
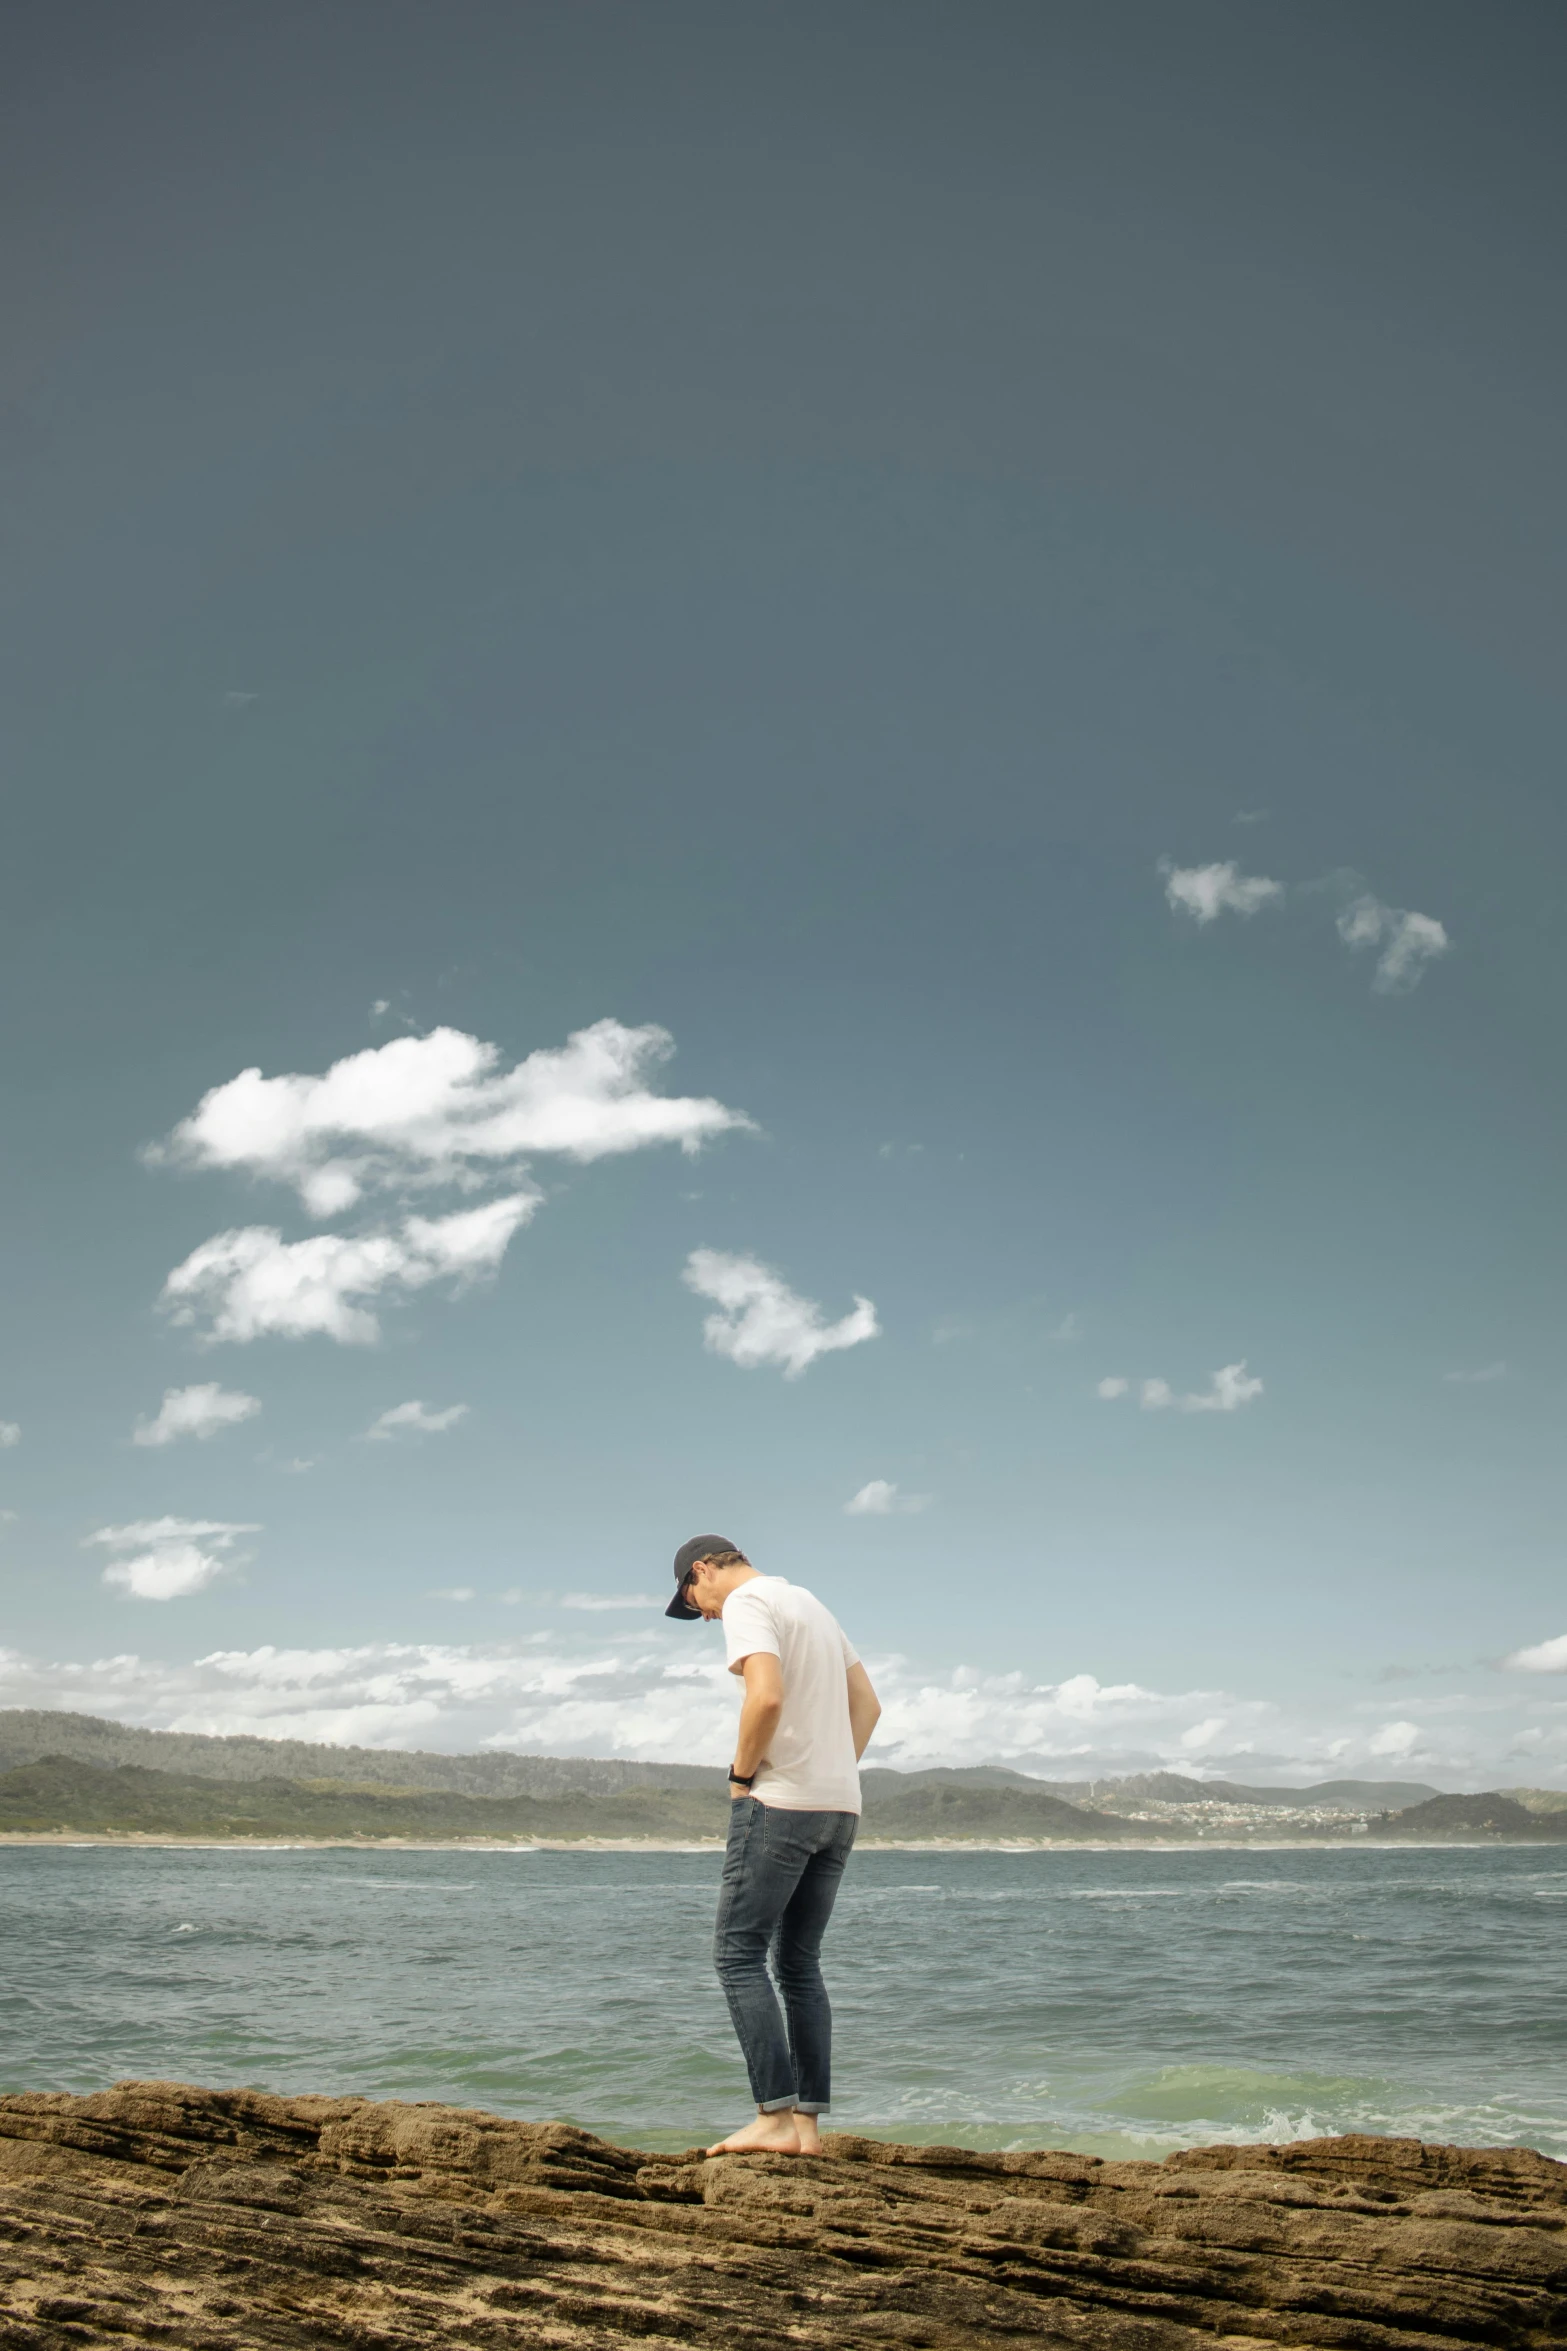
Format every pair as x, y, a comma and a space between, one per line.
157, 2213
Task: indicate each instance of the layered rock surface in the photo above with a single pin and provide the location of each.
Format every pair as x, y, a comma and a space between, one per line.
158, 2213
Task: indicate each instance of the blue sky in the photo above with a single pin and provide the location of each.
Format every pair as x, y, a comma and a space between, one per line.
860, 716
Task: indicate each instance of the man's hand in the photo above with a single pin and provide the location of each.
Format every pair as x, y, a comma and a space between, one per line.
758, 1716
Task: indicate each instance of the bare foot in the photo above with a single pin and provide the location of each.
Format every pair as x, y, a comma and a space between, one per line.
806, 2132
770, 2134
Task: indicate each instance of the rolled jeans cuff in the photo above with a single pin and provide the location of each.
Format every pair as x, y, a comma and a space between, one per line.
778, 2105
811, 2105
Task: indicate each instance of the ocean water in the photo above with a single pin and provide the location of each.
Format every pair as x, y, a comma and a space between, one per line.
1118, 2003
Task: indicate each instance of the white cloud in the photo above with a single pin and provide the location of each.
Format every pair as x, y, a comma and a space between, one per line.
1544, 1657
195, 1412
881, 1499
663, 1694
10, 1434
1232, 1387
1207, 891
666, 1697
1477, 1379
250, 1282
763, 1320
1396, 1741
1408, 941
451, 1592
413, 1417
168, 1558
441, 1109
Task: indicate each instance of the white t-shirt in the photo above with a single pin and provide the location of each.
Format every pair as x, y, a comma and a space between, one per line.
811, 1764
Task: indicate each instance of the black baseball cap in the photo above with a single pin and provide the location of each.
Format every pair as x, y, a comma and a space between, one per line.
699, 1547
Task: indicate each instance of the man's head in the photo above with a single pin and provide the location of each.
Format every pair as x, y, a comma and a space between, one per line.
707, 1570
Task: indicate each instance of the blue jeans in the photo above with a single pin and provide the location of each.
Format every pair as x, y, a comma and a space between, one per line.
781, 1876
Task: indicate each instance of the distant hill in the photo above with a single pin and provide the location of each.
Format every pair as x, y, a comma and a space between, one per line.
28, 1733
1170, 1787
63, 1793
1490, 1815
58, 1792
970, 1775
970, 1805
182, 1782
1388, 1794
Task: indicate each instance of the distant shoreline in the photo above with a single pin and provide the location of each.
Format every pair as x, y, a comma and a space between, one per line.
159, 1841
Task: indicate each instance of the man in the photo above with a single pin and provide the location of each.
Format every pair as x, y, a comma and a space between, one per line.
794, 1790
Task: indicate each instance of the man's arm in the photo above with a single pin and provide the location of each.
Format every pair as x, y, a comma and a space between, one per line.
864, 1708
759, 1714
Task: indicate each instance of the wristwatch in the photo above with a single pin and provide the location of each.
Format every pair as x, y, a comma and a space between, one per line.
737, 1780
